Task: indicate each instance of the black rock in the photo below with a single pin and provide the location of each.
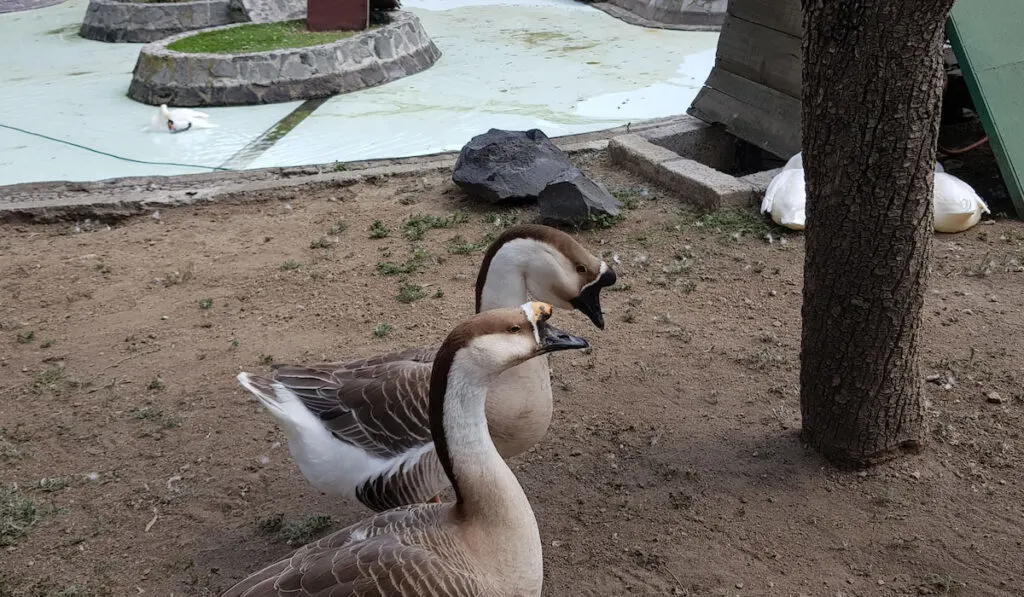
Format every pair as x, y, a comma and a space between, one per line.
573, 199
505, 165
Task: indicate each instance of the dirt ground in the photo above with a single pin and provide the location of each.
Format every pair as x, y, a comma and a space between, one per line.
133, 463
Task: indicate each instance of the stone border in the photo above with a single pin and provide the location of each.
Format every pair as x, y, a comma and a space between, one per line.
373, 57
44, 202
664, 14
10, 6
117, 21
698, 178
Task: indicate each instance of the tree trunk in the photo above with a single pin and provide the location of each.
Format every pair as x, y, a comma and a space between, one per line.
872, 87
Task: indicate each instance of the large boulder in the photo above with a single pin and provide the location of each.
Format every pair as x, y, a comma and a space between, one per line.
575, 200
503, 165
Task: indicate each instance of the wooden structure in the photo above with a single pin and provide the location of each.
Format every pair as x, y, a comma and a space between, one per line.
986, 38
754, 87
337, 15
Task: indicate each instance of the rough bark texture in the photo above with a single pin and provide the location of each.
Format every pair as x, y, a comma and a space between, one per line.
872, 85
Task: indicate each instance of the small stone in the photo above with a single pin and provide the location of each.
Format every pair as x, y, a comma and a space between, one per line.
739, 585
573, 199
994, 398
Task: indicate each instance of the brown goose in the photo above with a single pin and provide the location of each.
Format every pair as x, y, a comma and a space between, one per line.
361, 429
486, 543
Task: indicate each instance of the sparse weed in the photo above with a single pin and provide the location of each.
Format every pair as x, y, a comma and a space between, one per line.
54, 379
416, 226
9, 448
17, 515
337, 227
460, 246
379, 230
205, 303
156, 384
410, 293
412, 265
26, 337
321, 243
290, 265
159, 416
179, 276
381, 330
630, 198
47, 343
603, 221
102, 268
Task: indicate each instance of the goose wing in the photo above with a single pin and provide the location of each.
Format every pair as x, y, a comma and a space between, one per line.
378, 404
405, 552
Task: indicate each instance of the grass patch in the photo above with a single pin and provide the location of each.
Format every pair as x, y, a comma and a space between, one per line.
379, 230
410, 293
205, 303
9, 447
55, 380
256, 37
460, 246
416, 226
159, 416
295, 532
381, 330
17, 516
26, 337
738, 222
412, 265
290, 265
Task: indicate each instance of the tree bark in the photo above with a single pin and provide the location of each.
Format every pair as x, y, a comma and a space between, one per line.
872, 88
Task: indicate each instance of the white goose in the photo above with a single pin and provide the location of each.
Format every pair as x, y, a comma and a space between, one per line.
957, 207
360, 429
179, 120
486, 543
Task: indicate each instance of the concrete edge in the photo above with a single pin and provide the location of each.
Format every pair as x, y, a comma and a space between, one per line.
118, 198
696, 183
631, 18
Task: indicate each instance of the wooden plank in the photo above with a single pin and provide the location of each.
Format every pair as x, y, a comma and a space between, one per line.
755, 113
781, 15
986, 38
761, 54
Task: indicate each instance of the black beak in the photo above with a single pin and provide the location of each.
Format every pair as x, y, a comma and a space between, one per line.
553, 339
589, 301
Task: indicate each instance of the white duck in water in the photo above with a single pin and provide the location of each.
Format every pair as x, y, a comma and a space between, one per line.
179, 120
957, 207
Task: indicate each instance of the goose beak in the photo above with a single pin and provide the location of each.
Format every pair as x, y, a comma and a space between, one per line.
553, 339
589, 301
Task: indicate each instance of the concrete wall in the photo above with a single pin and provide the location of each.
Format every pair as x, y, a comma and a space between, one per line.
369, 58
137, 22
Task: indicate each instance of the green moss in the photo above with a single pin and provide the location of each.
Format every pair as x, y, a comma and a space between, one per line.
256, 37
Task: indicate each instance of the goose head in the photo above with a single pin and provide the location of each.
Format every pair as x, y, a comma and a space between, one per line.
555, 267
165, 114
493, 341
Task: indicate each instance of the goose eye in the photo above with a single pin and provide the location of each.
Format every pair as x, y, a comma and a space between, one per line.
515, 329
581, 269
